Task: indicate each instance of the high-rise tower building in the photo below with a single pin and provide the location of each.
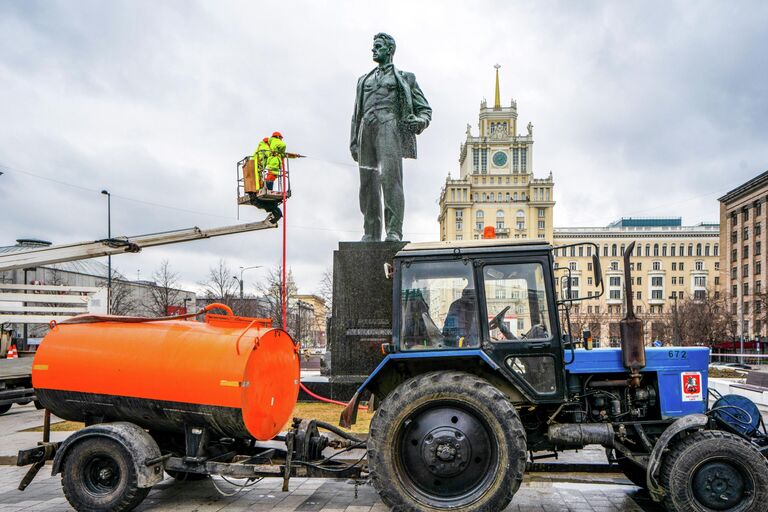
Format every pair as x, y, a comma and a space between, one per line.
496, 184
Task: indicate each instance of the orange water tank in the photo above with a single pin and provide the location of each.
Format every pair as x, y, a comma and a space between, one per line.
237, 376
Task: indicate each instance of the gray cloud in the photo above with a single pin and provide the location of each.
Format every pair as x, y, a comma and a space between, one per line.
639, 108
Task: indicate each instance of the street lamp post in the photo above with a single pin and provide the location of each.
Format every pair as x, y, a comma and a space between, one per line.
243, 269
109, 258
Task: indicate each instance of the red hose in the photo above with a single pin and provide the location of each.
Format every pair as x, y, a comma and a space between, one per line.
324, 399
284, 291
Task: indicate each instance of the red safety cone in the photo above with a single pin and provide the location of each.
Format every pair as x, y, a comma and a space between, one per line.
12, 353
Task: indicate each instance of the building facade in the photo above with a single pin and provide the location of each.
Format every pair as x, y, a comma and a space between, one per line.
127, 297
496, 185
313, 324
670, 262
742, 218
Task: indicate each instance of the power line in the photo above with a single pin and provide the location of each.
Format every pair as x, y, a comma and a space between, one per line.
97, 191
176, 208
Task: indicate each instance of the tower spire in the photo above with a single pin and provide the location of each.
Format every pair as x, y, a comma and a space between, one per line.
497, 102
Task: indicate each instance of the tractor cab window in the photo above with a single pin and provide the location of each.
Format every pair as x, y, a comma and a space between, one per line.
439, 306
516, 301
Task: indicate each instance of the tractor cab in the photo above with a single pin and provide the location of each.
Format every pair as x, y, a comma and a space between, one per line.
496, 296
489, 304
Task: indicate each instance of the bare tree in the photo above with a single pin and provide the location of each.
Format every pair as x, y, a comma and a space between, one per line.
704, 319
221, 285
272, 291
585, 319
325, 290
165, 292
122, 299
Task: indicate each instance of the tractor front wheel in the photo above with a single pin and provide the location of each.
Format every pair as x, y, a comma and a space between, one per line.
446, 440
714, 470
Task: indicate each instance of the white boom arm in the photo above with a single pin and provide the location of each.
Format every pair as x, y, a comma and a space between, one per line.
118, 245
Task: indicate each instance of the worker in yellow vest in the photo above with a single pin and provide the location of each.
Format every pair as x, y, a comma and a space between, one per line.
275, 159
259, 158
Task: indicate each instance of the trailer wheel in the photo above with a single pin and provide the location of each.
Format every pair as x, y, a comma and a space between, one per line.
5, 408
714, 470
99, 475
446, 440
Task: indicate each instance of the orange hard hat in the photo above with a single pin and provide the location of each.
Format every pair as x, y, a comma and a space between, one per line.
277, 134
266, 139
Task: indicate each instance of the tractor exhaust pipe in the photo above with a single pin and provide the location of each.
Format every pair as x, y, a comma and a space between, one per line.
631, 328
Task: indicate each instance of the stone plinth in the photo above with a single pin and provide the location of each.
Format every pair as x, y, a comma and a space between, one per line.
361, 319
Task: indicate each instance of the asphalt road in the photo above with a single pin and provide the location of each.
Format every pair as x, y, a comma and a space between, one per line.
601, 492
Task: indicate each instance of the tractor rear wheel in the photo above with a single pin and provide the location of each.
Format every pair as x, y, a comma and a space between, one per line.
714, 470
446, 440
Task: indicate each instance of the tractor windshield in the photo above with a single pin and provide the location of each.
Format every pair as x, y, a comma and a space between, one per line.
439, 306
516, 301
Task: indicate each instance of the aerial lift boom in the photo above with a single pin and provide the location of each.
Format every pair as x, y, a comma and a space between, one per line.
118, 245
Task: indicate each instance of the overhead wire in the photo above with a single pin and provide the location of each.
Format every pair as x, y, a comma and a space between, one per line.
10, 169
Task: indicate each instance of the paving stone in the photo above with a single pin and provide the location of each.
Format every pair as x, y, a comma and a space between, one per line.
322, 495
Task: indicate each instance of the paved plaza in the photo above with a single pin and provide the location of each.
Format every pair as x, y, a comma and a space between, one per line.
540, 491
536, 494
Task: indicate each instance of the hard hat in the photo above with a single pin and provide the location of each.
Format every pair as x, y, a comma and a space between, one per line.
278, 134
266, 139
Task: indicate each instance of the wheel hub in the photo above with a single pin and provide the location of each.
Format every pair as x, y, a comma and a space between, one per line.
101, 475
719, 485
445, 451
105, 474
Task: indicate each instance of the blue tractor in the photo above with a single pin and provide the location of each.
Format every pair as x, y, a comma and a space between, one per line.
483, 370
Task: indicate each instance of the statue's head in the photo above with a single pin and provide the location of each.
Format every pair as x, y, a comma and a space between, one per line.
383, 48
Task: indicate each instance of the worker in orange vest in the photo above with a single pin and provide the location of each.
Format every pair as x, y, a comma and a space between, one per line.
269, 163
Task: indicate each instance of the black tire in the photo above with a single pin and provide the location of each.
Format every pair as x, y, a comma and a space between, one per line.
5, 408
446, 440
714, 470
38, 405
633, 472
183, 476
99, 475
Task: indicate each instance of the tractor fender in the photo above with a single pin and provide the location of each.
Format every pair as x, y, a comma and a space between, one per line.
457, 359
689, 422
143, 449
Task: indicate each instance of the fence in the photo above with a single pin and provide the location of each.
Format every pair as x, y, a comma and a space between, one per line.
31, 304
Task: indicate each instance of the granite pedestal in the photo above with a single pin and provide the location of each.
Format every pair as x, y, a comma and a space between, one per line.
361, 318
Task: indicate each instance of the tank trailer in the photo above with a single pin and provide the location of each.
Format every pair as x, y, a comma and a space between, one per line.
481, 378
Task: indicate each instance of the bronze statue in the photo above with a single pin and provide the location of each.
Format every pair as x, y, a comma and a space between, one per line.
390, 110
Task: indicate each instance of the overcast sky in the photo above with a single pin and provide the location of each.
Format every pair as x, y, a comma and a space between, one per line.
640, 108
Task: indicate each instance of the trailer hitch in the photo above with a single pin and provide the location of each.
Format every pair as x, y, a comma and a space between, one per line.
37, 457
